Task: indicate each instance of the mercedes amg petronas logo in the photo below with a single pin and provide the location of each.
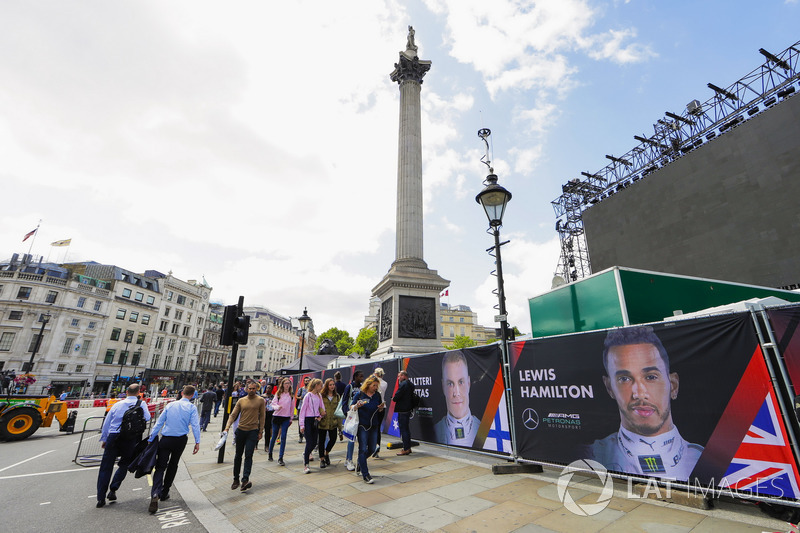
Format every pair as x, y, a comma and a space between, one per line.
530, 418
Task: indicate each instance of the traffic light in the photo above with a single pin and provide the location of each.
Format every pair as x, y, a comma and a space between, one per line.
228, 334
242, 328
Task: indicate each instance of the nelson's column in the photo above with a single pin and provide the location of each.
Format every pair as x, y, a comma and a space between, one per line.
409, 292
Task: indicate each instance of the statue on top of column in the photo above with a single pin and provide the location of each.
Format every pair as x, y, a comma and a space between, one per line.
410, 45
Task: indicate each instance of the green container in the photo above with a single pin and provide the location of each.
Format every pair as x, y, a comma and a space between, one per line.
622, 296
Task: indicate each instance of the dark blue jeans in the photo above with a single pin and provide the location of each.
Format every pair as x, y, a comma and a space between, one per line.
216, 407
367, 443
310, 433
115, 447
403, 420
205, 419
246, 441
279, 424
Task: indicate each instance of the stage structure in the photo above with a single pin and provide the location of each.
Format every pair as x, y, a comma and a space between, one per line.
674, 136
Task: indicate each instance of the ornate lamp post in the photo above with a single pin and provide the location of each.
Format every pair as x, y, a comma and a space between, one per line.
45, 318
304, 320
123, 357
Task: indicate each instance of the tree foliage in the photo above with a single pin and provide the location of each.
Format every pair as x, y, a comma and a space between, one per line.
342, 339
366, 342
460, 341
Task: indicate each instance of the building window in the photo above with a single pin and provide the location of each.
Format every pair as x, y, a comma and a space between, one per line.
242, 354
167, 310
178, 314
121, 314
261, 341
24, 293
97, 305
163, 326
452, 331
123, 357
145, 320
139, 297
179, 363
51, 297
156, 358
34, 340
109, 357
181, 299
92, 324
126, 293
167, 362
68, 342
136, 357
241, 366
140, 338
258, 365
75, 322
441, 332
169, 296
462, 331
170, 345
182, 347
185, 331
115, 333
175, 328
461, 319
81, 301
151, 300
159, 342
61, 367
260, 354
134, 316
79, 368
6, 340
15, 315
85, 347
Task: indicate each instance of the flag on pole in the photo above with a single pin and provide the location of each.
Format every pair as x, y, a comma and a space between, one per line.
29, 235
445, 293
65, 242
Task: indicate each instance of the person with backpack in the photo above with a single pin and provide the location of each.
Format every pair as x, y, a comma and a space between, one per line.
404, 400
123, 428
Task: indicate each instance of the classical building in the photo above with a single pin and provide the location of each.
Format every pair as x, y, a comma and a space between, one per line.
181, 321
273, 342
68, 311
131, 318
460, 320
212, 363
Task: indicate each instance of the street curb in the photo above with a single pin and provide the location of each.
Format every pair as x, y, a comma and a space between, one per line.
212, 519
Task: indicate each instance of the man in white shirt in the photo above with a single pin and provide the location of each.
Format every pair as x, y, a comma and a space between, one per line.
115, 445
639, 379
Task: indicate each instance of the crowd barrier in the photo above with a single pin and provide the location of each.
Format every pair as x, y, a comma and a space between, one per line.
705, 402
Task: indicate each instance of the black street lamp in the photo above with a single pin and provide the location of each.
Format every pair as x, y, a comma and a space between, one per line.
45, 318
123, 357
304, 320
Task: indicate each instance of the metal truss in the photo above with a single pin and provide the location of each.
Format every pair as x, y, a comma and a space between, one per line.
673, 136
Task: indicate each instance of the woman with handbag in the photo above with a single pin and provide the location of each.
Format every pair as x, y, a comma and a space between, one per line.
283, 404
330, 424
311, 412
370, 406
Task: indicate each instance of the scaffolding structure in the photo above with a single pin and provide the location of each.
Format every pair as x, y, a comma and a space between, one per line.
673, 136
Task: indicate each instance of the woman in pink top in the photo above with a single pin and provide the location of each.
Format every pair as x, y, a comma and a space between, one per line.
310, 413
283, 407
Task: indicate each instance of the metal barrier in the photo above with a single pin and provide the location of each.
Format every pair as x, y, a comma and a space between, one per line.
89, 452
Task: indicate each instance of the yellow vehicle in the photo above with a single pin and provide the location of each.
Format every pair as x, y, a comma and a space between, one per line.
21, 416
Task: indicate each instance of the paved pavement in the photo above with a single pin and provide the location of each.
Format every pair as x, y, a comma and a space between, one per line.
433, 489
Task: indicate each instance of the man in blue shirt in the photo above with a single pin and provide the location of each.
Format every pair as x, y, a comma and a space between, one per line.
174, 424
115, 446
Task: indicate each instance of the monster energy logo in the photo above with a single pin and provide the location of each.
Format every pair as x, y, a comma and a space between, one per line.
651, 463
460, 433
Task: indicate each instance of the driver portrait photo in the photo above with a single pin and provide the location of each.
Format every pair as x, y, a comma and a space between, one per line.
458, 426
638, 378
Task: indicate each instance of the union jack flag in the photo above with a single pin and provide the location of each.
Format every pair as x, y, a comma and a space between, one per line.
764, 464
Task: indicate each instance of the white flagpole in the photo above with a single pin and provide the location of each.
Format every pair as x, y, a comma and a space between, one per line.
35, 233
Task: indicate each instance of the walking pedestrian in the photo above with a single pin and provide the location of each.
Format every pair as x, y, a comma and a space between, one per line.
403, 405
207, 403
350, 393
250, 412
340, 385
299, 395
330, 424
310, 414
382, 389
220, 392
268, 395
281, 417
115, 445
174, 424
369, 404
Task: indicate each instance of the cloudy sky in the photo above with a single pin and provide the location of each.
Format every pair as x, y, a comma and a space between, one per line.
255, 143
